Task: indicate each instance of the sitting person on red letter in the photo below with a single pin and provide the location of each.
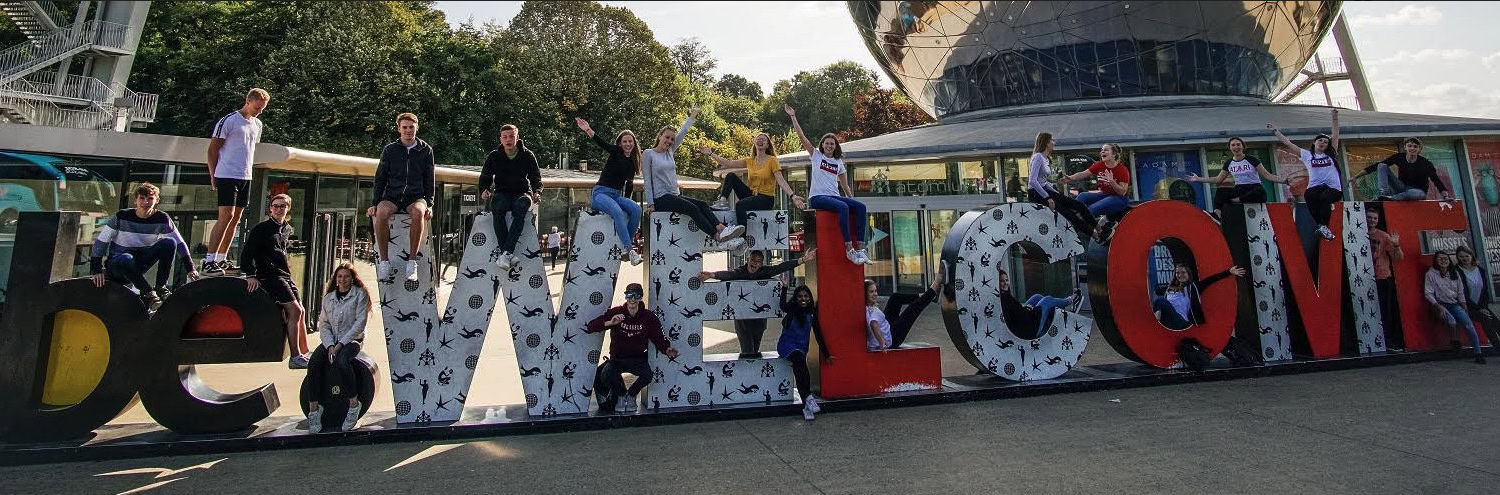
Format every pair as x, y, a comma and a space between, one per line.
885, 335
1445, 289
1181, 306
631, 326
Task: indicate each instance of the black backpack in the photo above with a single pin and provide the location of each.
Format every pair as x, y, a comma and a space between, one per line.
1193, 355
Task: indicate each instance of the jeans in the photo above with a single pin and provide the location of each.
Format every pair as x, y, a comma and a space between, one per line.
1320, 200
1390, 315
1460, 316
902, 319
616, 367
1169, 316
1103, 203
798, 360
847, 209
343, 363
625, 212
517, 204
1391, 185
696, 210
749, 201
1045, 304
131, 265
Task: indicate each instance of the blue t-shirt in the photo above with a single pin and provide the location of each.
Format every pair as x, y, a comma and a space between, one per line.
794, 335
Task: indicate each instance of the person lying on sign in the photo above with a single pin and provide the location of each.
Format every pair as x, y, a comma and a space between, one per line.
1036, 314
750, 331
884, 334
1181, 305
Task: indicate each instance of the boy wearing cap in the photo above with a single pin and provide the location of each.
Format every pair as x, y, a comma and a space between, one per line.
631, 326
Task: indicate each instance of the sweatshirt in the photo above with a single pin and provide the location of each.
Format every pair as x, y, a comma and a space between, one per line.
765, 272
342, 320
517, 175
629, 338
264, 253
619, 171
127, 232
1443, 290
405, 173
660, 169
1416, 174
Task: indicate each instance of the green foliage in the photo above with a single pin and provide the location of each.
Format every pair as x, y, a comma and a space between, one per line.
824, 98
880, 111
693, 59
737, 85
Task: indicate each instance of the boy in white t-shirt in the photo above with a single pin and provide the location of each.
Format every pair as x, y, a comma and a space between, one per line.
231, 154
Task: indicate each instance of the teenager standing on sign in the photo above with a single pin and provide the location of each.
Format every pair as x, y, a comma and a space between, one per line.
631, 327
659, 168
1444, 288
231, 154
827, 177
1247, 172
1325, 185
762, 176
341, 324
517, 181
1412, 175
263, 261
611, 194
404, 182
133, 240
1039, 190
800, 320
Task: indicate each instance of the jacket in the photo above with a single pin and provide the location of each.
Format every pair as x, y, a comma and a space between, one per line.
404, 173
517, 175
1195, 297
341, 321
264, 254
629, 338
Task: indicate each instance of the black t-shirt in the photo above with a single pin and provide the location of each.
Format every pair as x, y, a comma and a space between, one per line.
1414, 174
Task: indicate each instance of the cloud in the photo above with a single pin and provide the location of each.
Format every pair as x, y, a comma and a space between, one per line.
1439, 99
1409, 15
1426, 55
1491, 61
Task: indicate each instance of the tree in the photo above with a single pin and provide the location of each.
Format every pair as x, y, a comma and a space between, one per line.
824, 98
880, 111
693, 60
737, 85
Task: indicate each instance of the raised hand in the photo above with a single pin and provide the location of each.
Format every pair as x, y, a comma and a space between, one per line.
583, 125
1237, 271
789, 111
704, 150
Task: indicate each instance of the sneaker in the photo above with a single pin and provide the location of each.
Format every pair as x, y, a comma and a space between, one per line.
812, 403
315, 421
807, 412
211, 267
743, 250
411, 271
1076, 301
351, 419
635, 258
504, 261
731, 232
383, 270
162, 293
227, 267
298, 362
150, 300
864, 256
853, 256
721, 204
732, 244
1324, 231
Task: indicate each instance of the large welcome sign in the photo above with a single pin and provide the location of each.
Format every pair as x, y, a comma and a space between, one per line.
1303, 297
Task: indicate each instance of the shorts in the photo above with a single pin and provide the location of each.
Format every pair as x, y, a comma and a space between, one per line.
281, 289
403, 203
233, 192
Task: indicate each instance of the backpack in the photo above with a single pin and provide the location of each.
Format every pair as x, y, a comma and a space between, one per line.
1194, 356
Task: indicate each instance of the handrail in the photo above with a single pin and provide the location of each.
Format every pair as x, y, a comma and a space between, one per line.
23, 57
143, 105
42, 112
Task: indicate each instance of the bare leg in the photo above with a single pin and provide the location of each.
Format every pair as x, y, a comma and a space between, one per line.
383, 228
227, 235
296, 328
418, 212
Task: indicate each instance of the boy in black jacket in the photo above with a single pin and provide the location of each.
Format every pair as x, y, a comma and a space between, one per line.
517, 181
263, 261
404, 182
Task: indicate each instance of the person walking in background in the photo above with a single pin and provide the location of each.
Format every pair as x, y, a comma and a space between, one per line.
341, 327
517, 181
405, 181
827, 177
611, 193
659, 168
231, 156
554, 244
1325, 185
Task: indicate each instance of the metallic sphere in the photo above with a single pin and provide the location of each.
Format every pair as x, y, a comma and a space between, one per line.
953, 57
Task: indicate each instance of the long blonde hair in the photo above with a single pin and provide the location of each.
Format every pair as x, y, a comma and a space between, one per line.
755, 150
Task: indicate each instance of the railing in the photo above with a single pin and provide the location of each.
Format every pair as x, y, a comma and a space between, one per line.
22, 58
41, 112
50, 10
1331, 65
143, 105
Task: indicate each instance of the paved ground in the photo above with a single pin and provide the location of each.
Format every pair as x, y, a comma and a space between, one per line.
1420, 428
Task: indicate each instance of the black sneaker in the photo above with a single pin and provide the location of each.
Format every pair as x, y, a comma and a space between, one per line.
150, 300
211, 268
1479, 360
227, 267
607, 403
162, 293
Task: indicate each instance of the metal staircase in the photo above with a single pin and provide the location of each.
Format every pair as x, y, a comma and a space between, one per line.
32, 94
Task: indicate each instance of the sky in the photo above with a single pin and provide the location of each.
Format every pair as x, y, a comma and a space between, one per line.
1437, 58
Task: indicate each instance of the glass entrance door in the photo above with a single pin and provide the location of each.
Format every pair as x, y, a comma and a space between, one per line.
908, 250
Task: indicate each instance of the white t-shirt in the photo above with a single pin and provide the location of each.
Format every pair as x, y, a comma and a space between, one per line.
825, 175
238, 153
1245, 171
873, 313
554, 239
1474, 280
1322, 170
1179, 302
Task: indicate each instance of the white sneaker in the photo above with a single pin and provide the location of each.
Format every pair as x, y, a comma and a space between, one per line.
504, 261
864, 256
732, 244
731, 232
298, 362
807, 412
721, 204
1324, 231
315, 421
352, 418
853, 256
635, 258
812, 403
383, 270
411, 271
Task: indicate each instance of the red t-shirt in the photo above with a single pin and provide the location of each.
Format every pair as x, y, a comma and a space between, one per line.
1121, 173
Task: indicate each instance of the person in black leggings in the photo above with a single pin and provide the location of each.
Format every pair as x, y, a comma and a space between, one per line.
888, 329
1324, 179
801, 319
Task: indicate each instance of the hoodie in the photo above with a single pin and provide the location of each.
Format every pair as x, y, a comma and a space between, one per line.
519, 175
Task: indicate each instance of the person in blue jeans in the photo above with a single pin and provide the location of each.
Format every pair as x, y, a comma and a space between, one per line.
1444, 289
827, 178
611, 194
1030, 320
1181, 305
1113, 178
134, 240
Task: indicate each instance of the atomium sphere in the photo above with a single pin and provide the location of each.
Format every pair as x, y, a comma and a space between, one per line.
956, 57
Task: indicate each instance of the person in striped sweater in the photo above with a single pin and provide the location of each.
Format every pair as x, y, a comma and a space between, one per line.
134, 240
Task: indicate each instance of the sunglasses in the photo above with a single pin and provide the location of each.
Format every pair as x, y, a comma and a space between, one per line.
280, 205
632, 295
